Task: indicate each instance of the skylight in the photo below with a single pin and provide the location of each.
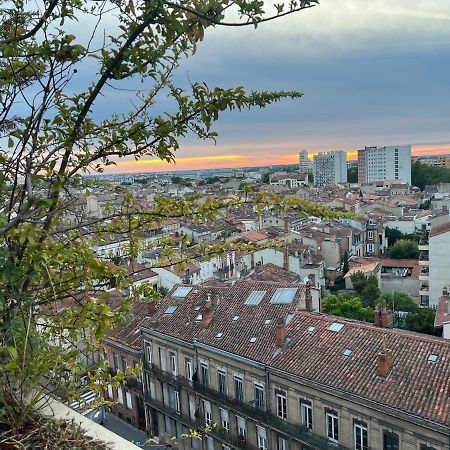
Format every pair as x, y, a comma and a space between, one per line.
255, 298
182, 291
170, 310
432, 358
199, 317
267, 322
219, 335
347, 352
336, 327
283, 296
197, 308
236, 318
252, 340
289, 317
311, 329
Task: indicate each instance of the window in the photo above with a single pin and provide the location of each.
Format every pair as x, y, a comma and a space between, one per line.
209, 442
360, 435
332, 426
259, 397
205, 373
167, 424
239, 388
281, 443
173, 363
281, 404
116, 361
148, 352
189, 371
207, 412
306, 414
120, 395
110, 391
242, 431
261, 438
177, 402
124, 363
195, 443
129, 402
192, 407
222, 381
370, 235
390, 441
152, 389
426, 447
225, 420
162, 359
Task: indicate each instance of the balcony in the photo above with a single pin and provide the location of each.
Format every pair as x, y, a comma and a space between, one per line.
131, 382
264, 417
423, 258
424, 290
424, 274
424, 247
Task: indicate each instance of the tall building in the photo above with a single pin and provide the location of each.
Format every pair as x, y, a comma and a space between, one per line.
304, 164
330, 168
384, 163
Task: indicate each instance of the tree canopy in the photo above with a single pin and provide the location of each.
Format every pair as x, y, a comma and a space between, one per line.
54, 298
423, 175
404, 249
345, 305
366, 288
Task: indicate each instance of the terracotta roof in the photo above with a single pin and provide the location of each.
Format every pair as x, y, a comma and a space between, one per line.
271, 272
404, 263
440, 229
414, 385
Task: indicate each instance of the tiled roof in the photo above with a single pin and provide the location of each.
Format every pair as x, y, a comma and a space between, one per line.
414, 385
440, 229
271, 272
403, 263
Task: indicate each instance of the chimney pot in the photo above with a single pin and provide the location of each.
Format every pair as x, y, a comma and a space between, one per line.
206, 317
150, 308
383, 317
385, 361
280, 336
208, 301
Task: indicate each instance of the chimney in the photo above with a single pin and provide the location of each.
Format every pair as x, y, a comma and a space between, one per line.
208, 301
206, 317
286, 258
385, 361
312, 280
150, 308
383, 317
445, 291
280, 336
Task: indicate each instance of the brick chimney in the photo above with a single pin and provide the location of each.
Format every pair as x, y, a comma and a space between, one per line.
280, 336
206, 317
385, 361
150, 308
383, 317
208, 301
286, 258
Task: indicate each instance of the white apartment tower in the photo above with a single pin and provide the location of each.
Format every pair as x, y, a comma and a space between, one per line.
304, 164
384, 163
330, 168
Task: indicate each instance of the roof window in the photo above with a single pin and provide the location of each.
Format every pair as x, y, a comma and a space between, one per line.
267, 322
198, 318
252, 340
311, 329
336, 327
236, 318
283, 296
219, 335
170, 310
255, 298
432, 358
347, 352
181, 292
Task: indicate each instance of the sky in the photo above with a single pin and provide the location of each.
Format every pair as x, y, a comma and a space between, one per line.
372, 73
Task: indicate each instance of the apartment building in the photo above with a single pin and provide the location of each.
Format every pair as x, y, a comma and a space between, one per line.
434, 260
384, 163
261, 372
330, 168
304, 164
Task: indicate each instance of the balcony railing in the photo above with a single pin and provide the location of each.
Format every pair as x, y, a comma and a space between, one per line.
295, 431
132, 382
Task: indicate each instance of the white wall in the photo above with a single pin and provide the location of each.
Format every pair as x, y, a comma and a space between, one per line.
439, 256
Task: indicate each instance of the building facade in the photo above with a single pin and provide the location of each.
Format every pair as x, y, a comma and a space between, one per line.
249, 368
384, 163
304, 164
330, 168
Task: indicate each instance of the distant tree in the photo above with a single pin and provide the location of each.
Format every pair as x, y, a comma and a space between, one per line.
399, 301
310, 177
422, 321
393, 235
181, 181
344, 305
352, 174
426, 204
366, 288
345, 267
266, 178
404, 249
423, 175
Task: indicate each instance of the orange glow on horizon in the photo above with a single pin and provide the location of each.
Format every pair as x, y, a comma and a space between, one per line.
265, 157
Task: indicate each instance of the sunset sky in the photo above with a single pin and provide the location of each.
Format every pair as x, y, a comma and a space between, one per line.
372, 73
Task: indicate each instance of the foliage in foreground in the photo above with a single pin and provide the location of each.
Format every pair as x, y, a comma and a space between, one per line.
54, 304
